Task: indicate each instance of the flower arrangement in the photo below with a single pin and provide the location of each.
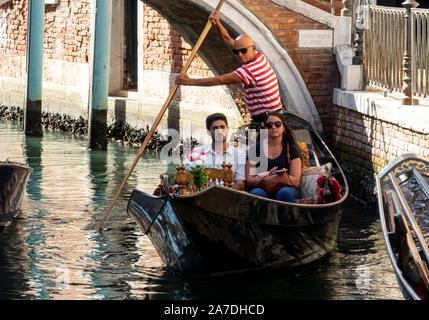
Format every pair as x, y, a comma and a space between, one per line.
196, 161
329, 189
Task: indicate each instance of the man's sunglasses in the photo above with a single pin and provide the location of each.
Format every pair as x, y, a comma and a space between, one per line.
270, 124
243, 50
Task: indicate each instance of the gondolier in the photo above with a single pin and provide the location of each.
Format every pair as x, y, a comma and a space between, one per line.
259, 82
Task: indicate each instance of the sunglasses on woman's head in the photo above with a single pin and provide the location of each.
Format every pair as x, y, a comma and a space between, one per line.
270, 124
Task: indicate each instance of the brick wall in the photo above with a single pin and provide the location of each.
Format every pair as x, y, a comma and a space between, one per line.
364, 145
13, 41
66, 38
317, 66
165, 50
326, 5
371, 143
68, 31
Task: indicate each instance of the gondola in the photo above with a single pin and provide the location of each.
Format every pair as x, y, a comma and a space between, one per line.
13, 181
403, 202
220, 230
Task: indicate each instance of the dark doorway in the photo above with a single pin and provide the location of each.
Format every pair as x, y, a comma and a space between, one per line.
131, 55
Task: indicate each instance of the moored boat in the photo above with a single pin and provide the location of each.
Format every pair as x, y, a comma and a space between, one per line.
13, 180
220, 230
403, 202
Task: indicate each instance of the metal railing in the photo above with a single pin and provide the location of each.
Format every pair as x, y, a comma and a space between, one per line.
420, 40
384, 39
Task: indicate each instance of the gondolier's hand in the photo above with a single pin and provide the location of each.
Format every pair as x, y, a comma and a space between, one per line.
182, 79
214, 17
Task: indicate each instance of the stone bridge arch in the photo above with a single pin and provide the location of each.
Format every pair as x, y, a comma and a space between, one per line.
189, 17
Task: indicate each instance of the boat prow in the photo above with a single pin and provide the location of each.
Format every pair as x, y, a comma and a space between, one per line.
13, 180
403, 201
220, 230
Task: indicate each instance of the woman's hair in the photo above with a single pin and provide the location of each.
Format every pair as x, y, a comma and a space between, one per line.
288, 134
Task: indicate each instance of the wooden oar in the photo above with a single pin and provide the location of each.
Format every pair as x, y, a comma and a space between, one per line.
160, 115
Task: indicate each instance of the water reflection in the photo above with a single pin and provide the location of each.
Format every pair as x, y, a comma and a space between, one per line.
98, 174
54, 251
14, 266
33, 154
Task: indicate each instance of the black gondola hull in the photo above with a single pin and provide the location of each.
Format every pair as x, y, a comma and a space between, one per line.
222, 230
13, 181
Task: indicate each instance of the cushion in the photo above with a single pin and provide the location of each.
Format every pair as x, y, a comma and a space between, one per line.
308, 156
308, 184
305, 156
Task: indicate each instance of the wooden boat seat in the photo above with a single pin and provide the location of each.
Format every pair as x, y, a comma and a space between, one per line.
184, 180
310, 171
308, 184
308, 156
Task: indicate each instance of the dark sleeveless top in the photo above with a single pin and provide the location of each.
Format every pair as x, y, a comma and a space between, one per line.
282, 161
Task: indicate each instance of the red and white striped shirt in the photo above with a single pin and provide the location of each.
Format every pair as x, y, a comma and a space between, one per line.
260, 87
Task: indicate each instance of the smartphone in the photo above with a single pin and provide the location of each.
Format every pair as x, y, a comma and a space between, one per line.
280, 170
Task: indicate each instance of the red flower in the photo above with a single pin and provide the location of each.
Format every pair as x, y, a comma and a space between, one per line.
334, 187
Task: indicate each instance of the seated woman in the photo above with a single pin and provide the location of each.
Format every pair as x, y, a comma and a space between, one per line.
282, 153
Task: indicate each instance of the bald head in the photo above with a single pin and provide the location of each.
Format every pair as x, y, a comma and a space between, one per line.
244, 41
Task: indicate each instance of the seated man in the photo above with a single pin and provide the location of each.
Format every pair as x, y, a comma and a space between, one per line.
220, 151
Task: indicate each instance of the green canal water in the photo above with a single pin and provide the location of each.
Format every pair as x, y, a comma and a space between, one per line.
54, 251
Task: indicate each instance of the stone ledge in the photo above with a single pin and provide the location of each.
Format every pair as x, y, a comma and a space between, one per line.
389, 109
